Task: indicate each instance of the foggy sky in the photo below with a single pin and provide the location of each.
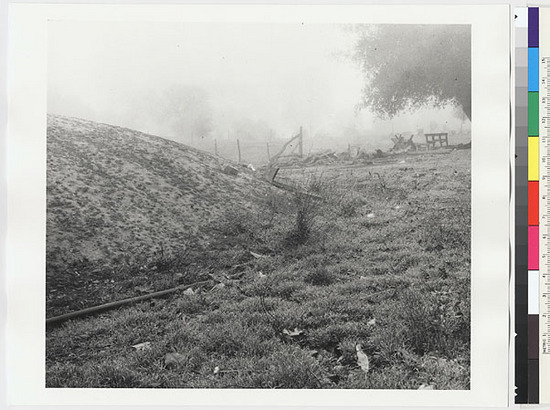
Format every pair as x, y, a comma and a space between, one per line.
284, 75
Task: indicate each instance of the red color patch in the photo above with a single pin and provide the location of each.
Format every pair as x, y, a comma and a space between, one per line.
533, 204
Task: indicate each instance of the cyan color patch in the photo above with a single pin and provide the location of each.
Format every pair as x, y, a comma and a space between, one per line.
533, 69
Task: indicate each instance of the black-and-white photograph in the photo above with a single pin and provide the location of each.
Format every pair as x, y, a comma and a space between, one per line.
258, 205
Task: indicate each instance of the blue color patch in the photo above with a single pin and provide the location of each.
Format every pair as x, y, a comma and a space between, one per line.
533, 69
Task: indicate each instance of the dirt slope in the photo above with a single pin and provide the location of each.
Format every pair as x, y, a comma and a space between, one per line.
114, 194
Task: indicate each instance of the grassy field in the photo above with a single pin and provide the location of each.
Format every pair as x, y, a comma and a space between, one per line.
373, 264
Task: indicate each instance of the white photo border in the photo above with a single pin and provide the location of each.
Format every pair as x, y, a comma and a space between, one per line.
26, 200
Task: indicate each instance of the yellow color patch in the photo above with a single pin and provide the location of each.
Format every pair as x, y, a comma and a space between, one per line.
533, 159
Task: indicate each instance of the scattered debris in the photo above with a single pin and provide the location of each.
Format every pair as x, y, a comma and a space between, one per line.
379, 154
257, 255
401, 144
464, 146
218, 287
189, 291
251, 167
173, 359
229, 170
272, 173
142, 346
293, 333
426, 387
362, 358
219, 371
371, 215
371, 322
143, 289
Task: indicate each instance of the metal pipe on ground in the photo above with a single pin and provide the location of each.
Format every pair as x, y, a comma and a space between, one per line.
56, 320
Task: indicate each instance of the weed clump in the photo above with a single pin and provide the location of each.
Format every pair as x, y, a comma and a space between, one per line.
306, 212
436, 321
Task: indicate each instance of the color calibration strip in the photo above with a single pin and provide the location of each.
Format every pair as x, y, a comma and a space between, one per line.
533, 205
543, 283
521, 201
532, 213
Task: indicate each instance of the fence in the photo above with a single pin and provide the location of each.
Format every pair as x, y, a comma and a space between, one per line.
251, 152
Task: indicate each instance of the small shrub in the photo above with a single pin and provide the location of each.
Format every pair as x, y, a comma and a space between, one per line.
305, 216
307, 207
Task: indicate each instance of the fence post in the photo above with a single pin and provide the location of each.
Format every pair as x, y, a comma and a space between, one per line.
349, 150
239, 149
301, 143
268, 154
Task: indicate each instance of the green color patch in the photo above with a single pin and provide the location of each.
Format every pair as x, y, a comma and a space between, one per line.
533, 109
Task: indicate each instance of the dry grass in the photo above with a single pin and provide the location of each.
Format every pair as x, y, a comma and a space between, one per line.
385, 263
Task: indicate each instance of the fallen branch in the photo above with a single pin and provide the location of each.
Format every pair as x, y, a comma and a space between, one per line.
112, 305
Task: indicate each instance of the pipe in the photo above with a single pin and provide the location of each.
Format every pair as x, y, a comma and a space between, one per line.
112, 305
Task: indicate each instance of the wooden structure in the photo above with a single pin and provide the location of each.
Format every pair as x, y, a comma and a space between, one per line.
401, 144
440, 138
300, 138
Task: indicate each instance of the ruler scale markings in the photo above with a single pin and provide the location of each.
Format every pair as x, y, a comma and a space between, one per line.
534, 162
543, 66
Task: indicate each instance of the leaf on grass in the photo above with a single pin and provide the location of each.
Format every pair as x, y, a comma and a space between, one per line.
218, 287
293, 333
142, 346
426, 387
189, 291
371, 215
261, 274
174, 359
257, 255
371, 322
216, 370
363, 277
362, 358
143, 289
